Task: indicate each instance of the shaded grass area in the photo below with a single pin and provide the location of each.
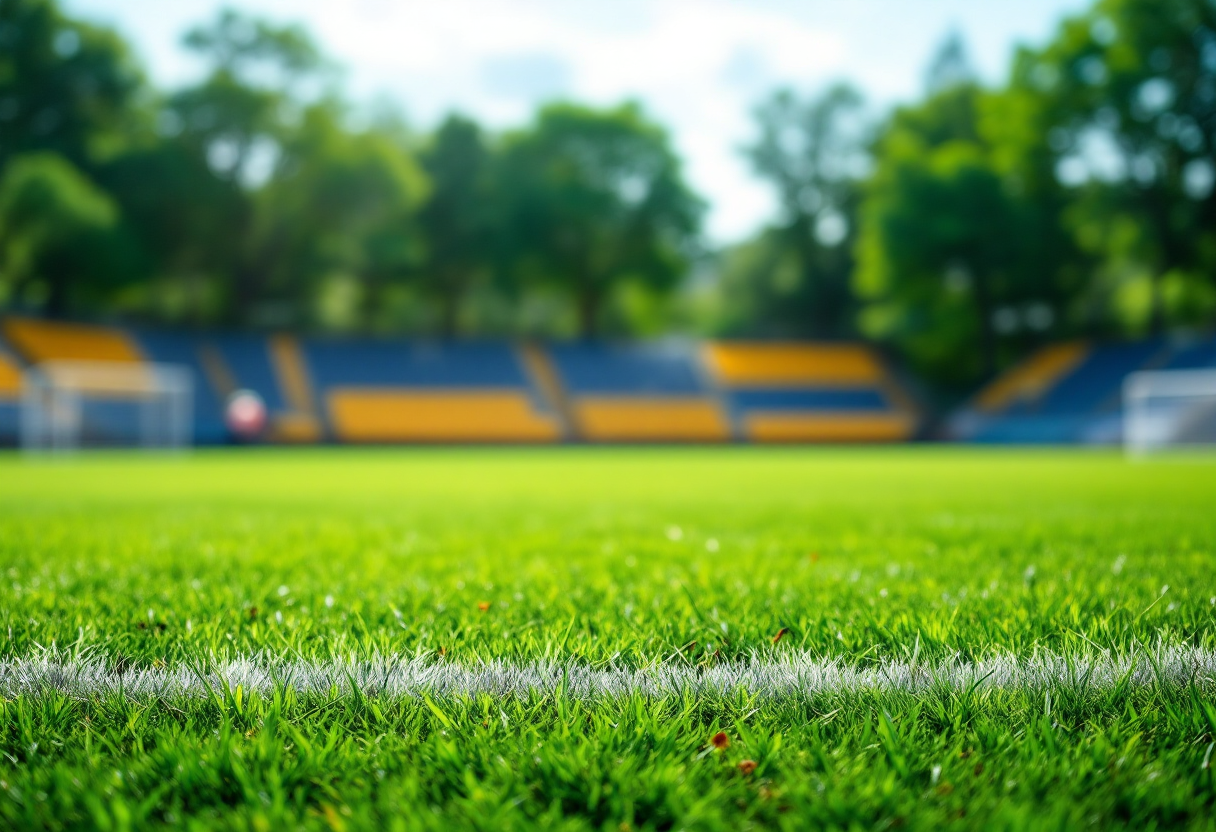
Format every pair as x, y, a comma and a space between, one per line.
625, 558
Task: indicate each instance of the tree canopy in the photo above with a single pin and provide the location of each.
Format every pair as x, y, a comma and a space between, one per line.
958, 231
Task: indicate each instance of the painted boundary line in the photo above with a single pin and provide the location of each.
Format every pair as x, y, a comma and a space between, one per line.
781, 678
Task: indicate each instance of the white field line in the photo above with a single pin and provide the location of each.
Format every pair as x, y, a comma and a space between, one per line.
797, 676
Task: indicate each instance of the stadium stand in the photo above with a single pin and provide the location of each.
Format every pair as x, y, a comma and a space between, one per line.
183, 350
246, 359
112, 417
1070, 393
367, 390
396, 391
10, 398
40, 341
298, 422
638, 393
797, 392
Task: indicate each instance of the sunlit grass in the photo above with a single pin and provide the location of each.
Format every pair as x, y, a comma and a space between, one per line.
602, 558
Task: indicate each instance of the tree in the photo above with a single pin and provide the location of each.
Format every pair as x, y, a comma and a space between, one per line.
189, 224
460, 222
237, 114
235, 124
597, 202
946, 257
341, 205
65, 87
1130, 88
57, 235
794, 279
951, 66
939, 241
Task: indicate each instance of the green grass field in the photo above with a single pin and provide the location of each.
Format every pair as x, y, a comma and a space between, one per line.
628, 563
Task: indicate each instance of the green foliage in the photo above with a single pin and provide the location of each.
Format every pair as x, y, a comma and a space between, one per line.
597, 203
462, 221
250, 98
340, 205
863, 555
793, 279
948, 258
1131, 85
937, 242
964, 230
65, 87
57, 233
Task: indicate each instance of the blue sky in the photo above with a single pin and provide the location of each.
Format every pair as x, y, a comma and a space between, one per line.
697, 65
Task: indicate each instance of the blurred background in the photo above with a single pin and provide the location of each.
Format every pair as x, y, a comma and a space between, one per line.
870, 220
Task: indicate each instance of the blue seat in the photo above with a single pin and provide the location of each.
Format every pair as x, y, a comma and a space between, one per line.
10, 421
248, 359
596, 369
808, 399
1098, 381
1198, 356
371, 363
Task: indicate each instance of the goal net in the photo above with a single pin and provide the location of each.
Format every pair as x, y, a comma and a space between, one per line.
69, 405
1169, 409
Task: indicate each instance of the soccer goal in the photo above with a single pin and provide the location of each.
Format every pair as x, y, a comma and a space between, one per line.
1169, 409
69, 405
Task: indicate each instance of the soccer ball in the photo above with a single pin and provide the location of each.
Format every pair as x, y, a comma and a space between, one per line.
245, 415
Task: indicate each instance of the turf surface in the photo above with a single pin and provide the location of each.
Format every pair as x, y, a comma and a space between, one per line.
624, 560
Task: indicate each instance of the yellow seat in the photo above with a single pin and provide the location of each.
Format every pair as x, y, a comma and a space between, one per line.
293, 427
394, 415
835, 427
41, 341
650, 420
1031, 378
776, 364
10, 378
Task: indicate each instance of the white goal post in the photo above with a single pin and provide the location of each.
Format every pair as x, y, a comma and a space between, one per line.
1166, 409
69, 405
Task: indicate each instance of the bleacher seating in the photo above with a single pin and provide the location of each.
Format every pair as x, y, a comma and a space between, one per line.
113, 417
1096, 382
1071, 393
221, 364
791, 392
183, 350
247, 359
40, 341
1196, 355
400, 391
370, 390
1028, 381
298, 421
10, 397
638, 393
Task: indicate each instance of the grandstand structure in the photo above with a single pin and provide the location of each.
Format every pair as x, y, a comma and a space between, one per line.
410, 391
1072, 393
